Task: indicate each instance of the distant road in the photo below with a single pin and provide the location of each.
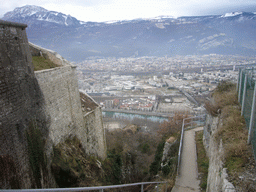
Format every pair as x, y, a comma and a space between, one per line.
141, 112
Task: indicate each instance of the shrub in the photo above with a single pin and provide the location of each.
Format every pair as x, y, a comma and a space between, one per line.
171, 127
156, 165
145, 148
224, 95
113, 161
225, 86
211, 109
166, 170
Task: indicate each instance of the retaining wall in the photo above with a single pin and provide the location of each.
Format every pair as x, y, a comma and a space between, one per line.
217, 175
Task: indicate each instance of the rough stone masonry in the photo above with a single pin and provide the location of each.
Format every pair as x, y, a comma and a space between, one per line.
21, 102
48, 100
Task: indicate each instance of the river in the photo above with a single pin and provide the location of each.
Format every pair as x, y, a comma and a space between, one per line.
132, 116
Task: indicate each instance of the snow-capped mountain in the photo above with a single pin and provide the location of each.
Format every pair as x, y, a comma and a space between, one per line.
32, 14
230, 33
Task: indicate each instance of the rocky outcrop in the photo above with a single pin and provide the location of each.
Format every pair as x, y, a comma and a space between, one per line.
168, 148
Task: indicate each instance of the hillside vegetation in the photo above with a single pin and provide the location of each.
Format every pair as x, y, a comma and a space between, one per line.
133, 156
234, 134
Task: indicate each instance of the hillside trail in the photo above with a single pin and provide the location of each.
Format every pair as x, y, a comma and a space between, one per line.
187, 180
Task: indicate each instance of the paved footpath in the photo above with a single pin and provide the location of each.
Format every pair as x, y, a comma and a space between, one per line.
187, 180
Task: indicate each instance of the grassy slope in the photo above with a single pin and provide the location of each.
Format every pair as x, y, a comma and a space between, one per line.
41, 63
232, 131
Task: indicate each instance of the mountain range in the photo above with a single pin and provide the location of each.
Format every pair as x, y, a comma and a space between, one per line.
230, 34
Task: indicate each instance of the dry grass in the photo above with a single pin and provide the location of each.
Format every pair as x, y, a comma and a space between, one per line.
224, 95
211, 109
172, 127
232, 129
234, 136
168, 186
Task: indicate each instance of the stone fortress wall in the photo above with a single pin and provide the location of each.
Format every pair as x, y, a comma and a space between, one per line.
96, 142
62, 102
21, 103
50, 98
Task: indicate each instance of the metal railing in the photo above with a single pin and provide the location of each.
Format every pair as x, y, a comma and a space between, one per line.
192, 122
98, 188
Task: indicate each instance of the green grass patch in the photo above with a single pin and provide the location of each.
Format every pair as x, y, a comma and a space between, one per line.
202, 160
235, 163
40, 63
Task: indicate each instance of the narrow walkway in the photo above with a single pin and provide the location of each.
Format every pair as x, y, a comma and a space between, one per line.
187, 180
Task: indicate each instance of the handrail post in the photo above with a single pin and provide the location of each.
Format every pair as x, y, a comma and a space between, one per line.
244, 95
157, 187
240, 86
141, 188
238, 80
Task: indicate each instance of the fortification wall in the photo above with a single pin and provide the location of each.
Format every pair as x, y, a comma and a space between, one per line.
62, 102
47, 101
59, 87
96, 141
21, 104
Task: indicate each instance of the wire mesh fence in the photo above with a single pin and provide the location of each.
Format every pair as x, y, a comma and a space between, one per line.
246, 97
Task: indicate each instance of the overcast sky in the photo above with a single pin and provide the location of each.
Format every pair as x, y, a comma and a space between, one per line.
107, 10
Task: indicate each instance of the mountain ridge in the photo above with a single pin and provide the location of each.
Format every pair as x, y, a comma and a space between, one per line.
33, 12
229, 33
